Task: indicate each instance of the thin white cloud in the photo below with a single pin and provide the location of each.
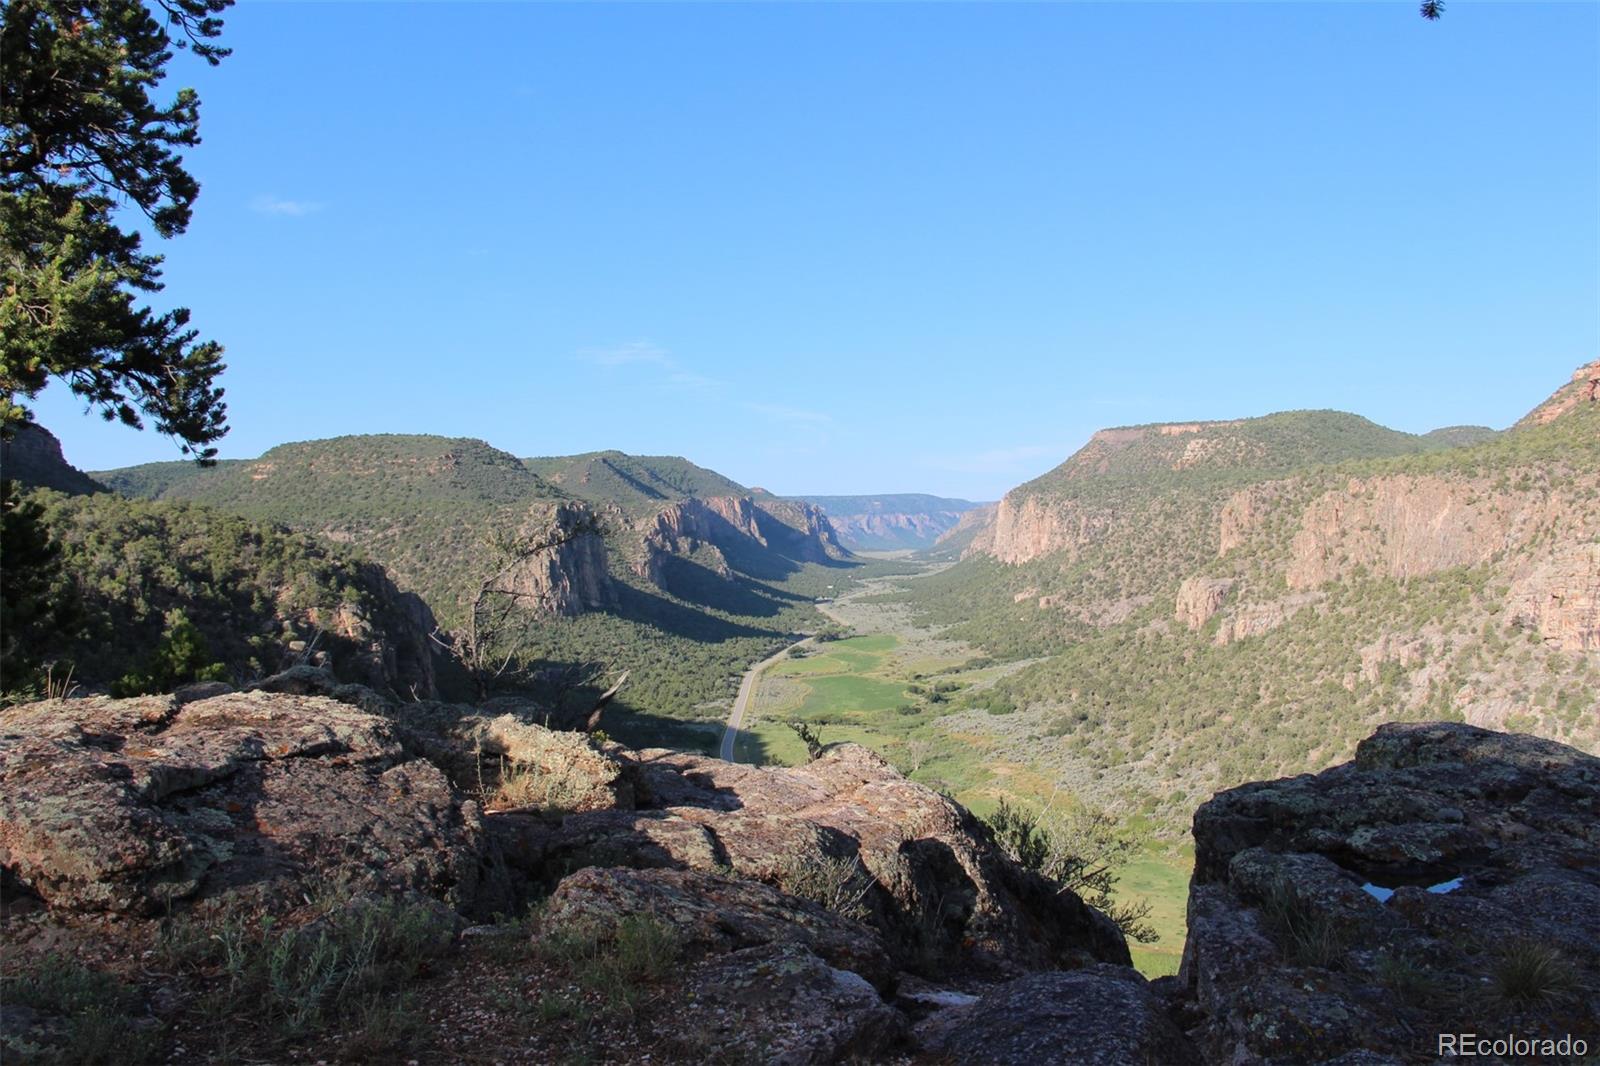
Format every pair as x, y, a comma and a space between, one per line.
1012, 460
795, 415
666, 370
630, 354
268, 204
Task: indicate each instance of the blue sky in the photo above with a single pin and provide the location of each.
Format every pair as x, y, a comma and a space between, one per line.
889, 247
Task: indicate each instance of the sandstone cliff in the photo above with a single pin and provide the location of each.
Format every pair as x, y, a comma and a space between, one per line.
761, 533
1302, 578
571, 576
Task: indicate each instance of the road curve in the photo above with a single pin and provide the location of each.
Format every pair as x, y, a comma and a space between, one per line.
747, 690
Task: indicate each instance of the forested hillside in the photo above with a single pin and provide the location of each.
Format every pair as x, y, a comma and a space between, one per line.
687, 580
1207, 602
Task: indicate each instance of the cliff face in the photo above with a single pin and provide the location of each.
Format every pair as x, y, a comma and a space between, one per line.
1351, 574
33, 459
781, 532
571, 577
684, 529
1029, 527
1405, 527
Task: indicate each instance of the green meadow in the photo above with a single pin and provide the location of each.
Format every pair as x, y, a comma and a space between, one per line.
879, 690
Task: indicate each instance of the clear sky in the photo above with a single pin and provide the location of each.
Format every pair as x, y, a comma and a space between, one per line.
888, 247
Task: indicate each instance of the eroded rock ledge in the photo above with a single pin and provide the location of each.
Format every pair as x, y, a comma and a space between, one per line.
1446, 880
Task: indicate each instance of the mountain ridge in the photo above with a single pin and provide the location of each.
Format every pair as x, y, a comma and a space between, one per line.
891, 521
1192, 622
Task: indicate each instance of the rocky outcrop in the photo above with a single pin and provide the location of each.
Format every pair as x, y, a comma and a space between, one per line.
32, 458
1243, 512
569, 577
1026, 527
1199, 598
1097, 1016
1408, 526
708, 530
797, 983
1245, 620
387, 647
926, 876
1582, 390
1446, 872
1559, 598
713, 913
132, 805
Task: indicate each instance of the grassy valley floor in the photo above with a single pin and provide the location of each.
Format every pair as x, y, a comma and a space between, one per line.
904, 691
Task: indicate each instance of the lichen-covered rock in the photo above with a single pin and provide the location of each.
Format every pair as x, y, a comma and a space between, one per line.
780, 1004
1097, 1016
714, 914
1447, 875
933, 883
128, 805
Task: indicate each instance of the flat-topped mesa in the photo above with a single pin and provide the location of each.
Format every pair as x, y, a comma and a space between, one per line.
1094, 494
891, 521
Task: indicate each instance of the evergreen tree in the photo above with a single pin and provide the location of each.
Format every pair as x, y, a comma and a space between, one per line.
36, 612
80, 136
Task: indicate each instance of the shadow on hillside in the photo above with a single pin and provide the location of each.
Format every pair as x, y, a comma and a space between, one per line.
784, 555
739, 595
751, 748
638, 605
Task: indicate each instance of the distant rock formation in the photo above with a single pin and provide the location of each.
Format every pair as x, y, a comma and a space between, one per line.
709, 530
1582, 390
571, 576
32, 458
893, 521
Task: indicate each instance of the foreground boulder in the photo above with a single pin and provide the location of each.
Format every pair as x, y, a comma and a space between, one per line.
846, 830
768, 975
1446, 881
131, 805
1098, 1016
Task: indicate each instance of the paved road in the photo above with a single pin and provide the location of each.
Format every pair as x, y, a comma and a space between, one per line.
747, 690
